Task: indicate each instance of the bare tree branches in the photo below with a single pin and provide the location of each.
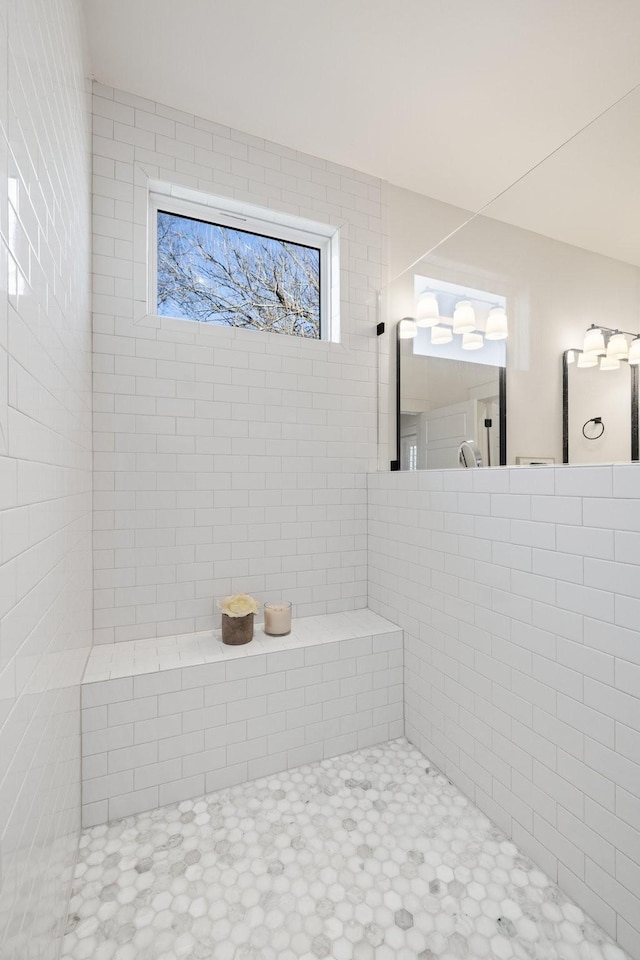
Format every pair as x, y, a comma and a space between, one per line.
222, 275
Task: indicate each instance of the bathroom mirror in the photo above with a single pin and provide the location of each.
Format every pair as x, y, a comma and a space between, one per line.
451, 400
559, 251
599, 410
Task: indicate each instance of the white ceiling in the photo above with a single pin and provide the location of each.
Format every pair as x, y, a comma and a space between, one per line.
588, 192
455, 99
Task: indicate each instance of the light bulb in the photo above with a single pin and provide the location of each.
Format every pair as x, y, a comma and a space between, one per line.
496, 328
609, 363
618, 347
571, 356
471, 341
427, 313
464, 317
593, 341
634, 352
407, 329
587, 360
440, 335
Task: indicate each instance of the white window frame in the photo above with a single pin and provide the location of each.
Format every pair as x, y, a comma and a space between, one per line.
241, 216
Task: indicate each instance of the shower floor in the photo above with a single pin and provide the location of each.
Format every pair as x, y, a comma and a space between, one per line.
373, 855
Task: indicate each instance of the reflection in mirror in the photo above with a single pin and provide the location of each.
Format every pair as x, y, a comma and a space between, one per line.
600, 401
450, 374
561, 248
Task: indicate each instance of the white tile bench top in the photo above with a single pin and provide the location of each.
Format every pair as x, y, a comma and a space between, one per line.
110, 661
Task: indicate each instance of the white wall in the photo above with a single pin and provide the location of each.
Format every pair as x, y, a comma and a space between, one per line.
225, 460
554, 292
519, 593
45, 463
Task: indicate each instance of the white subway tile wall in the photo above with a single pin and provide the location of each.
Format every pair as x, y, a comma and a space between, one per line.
225, 460
518, 591
45, 463
232, 714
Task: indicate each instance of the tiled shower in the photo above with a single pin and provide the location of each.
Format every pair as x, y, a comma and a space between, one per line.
224, 461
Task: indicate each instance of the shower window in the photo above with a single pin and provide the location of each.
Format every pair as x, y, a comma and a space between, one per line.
223, 268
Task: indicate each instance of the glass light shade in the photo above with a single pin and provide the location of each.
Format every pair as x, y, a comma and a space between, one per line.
587, 360
609, 363
427, 312
407, 329
472, 341
618, 347
571, 356
593, 341
496, 328
634, 352
441, 335
464, 317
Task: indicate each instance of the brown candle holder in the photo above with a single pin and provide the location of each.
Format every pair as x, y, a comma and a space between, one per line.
237, 630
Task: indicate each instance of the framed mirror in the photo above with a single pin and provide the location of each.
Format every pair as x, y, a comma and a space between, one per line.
451, 380
599, 408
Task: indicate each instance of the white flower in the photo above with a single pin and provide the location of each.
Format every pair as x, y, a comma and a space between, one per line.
239, 605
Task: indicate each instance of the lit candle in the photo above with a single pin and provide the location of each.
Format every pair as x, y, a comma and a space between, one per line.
277, 618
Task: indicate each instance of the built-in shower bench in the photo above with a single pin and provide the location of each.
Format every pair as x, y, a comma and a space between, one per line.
172, 718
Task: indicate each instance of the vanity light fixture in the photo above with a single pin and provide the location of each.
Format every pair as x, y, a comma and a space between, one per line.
464, 317
608, 346
464, 322
407, 328
427, 312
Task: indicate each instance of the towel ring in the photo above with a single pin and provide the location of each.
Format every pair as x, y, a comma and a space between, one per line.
597, 422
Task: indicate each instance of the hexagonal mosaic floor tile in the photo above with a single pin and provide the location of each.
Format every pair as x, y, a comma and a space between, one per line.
370, 856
